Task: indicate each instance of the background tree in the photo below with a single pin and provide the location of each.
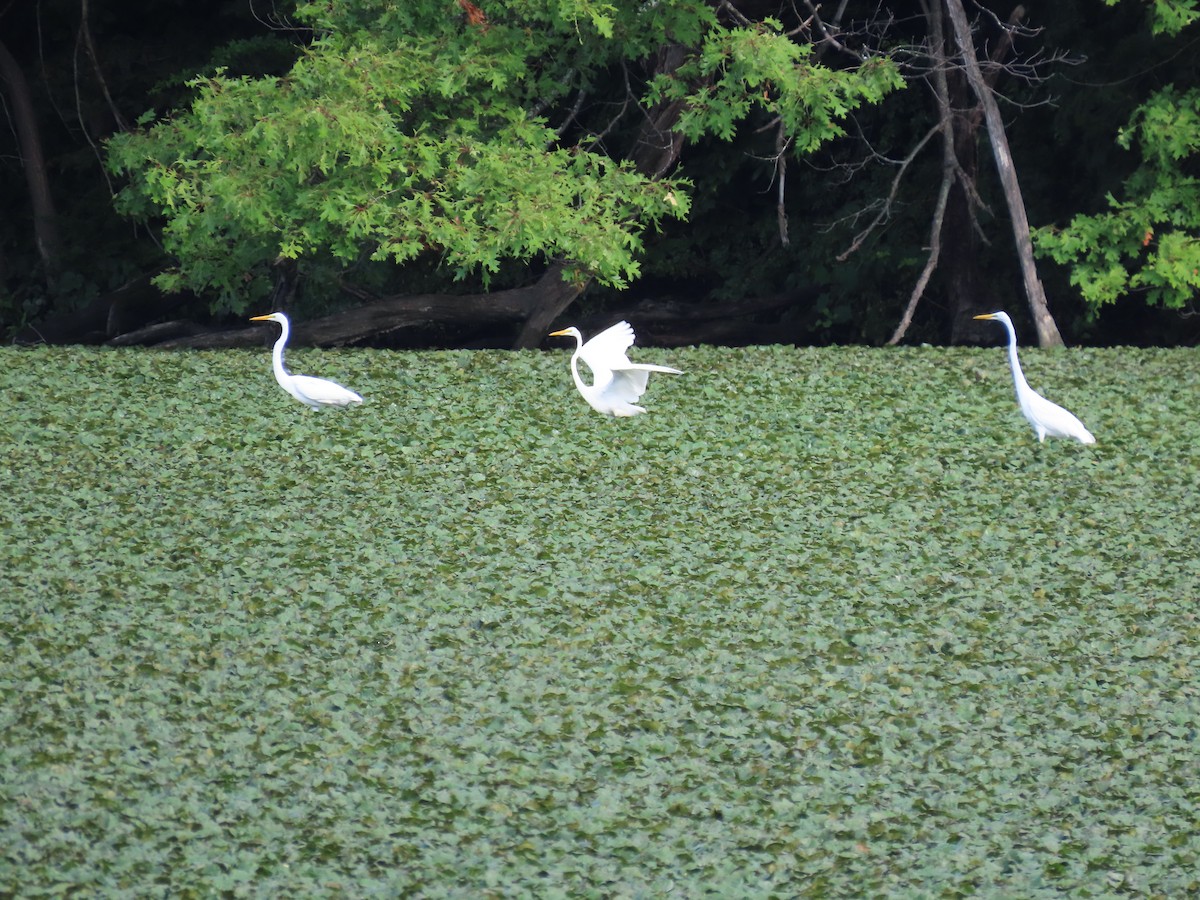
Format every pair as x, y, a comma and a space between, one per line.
1147, 242
33, 161
87, 68
540, 135
963, 91
682, 101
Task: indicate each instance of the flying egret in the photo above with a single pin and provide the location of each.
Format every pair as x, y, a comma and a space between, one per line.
314, 392
1046, 418
616, 382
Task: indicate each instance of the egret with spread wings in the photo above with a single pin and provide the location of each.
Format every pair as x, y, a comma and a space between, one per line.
617, 383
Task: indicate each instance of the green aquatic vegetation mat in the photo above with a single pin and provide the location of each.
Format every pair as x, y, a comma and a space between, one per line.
825, 622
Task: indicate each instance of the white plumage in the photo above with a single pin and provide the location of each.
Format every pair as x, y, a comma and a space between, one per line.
1046, 418
312, 392
616, 382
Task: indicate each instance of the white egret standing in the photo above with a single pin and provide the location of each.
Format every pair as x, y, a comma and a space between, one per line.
1046, 418
616, 382
314, 392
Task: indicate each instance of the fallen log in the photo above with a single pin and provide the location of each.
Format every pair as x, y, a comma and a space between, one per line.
379, 317
667, 322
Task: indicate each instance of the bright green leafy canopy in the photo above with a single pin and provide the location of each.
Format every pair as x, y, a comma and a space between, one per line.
468, 135
1148, 241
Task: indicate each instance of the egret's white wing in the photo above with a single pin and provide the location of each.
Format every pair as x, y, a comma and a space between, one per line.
1055, 420
620, 394
322, 392
606, 350
629, 382
625, 387
650, 367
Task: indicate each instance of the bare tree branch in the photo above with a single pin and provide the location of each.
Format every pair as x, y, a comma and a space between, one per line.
782, 141
85, 38
85, 32
951, 170
572, 114
885, 208
598, 137
1048, 335
734, 13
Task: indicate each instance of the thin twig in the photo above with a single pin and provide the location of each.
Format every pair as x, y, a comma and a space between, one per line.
85, 29
885, 209
572, 114
79, 112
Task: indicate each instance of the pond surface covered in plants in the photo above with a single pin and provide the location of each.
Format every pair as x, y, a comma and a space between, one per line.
824, 622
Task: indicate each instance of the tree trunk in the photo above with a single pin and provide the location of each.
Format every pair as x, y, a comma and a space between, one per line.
950, 174
967, 294
658, 145
1047, 331
548, 297
388, 314
655, 151
45, 221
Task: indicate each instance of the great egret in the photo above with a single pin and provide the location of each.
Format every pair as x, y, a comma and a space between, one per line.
1046, 418
314, 392
616, 382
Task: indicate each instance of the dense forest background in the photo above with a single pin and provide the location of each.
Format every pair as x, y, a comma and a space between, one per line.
464, 174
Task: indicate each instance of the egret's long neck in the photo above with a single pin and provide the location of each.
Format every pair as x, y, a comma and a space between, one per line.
575, 367
1018, 376
277, 353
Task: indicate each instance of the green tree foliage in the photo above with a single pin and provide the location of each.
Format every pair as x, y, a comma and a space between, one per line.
468, 135
1148, 240
746, 69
